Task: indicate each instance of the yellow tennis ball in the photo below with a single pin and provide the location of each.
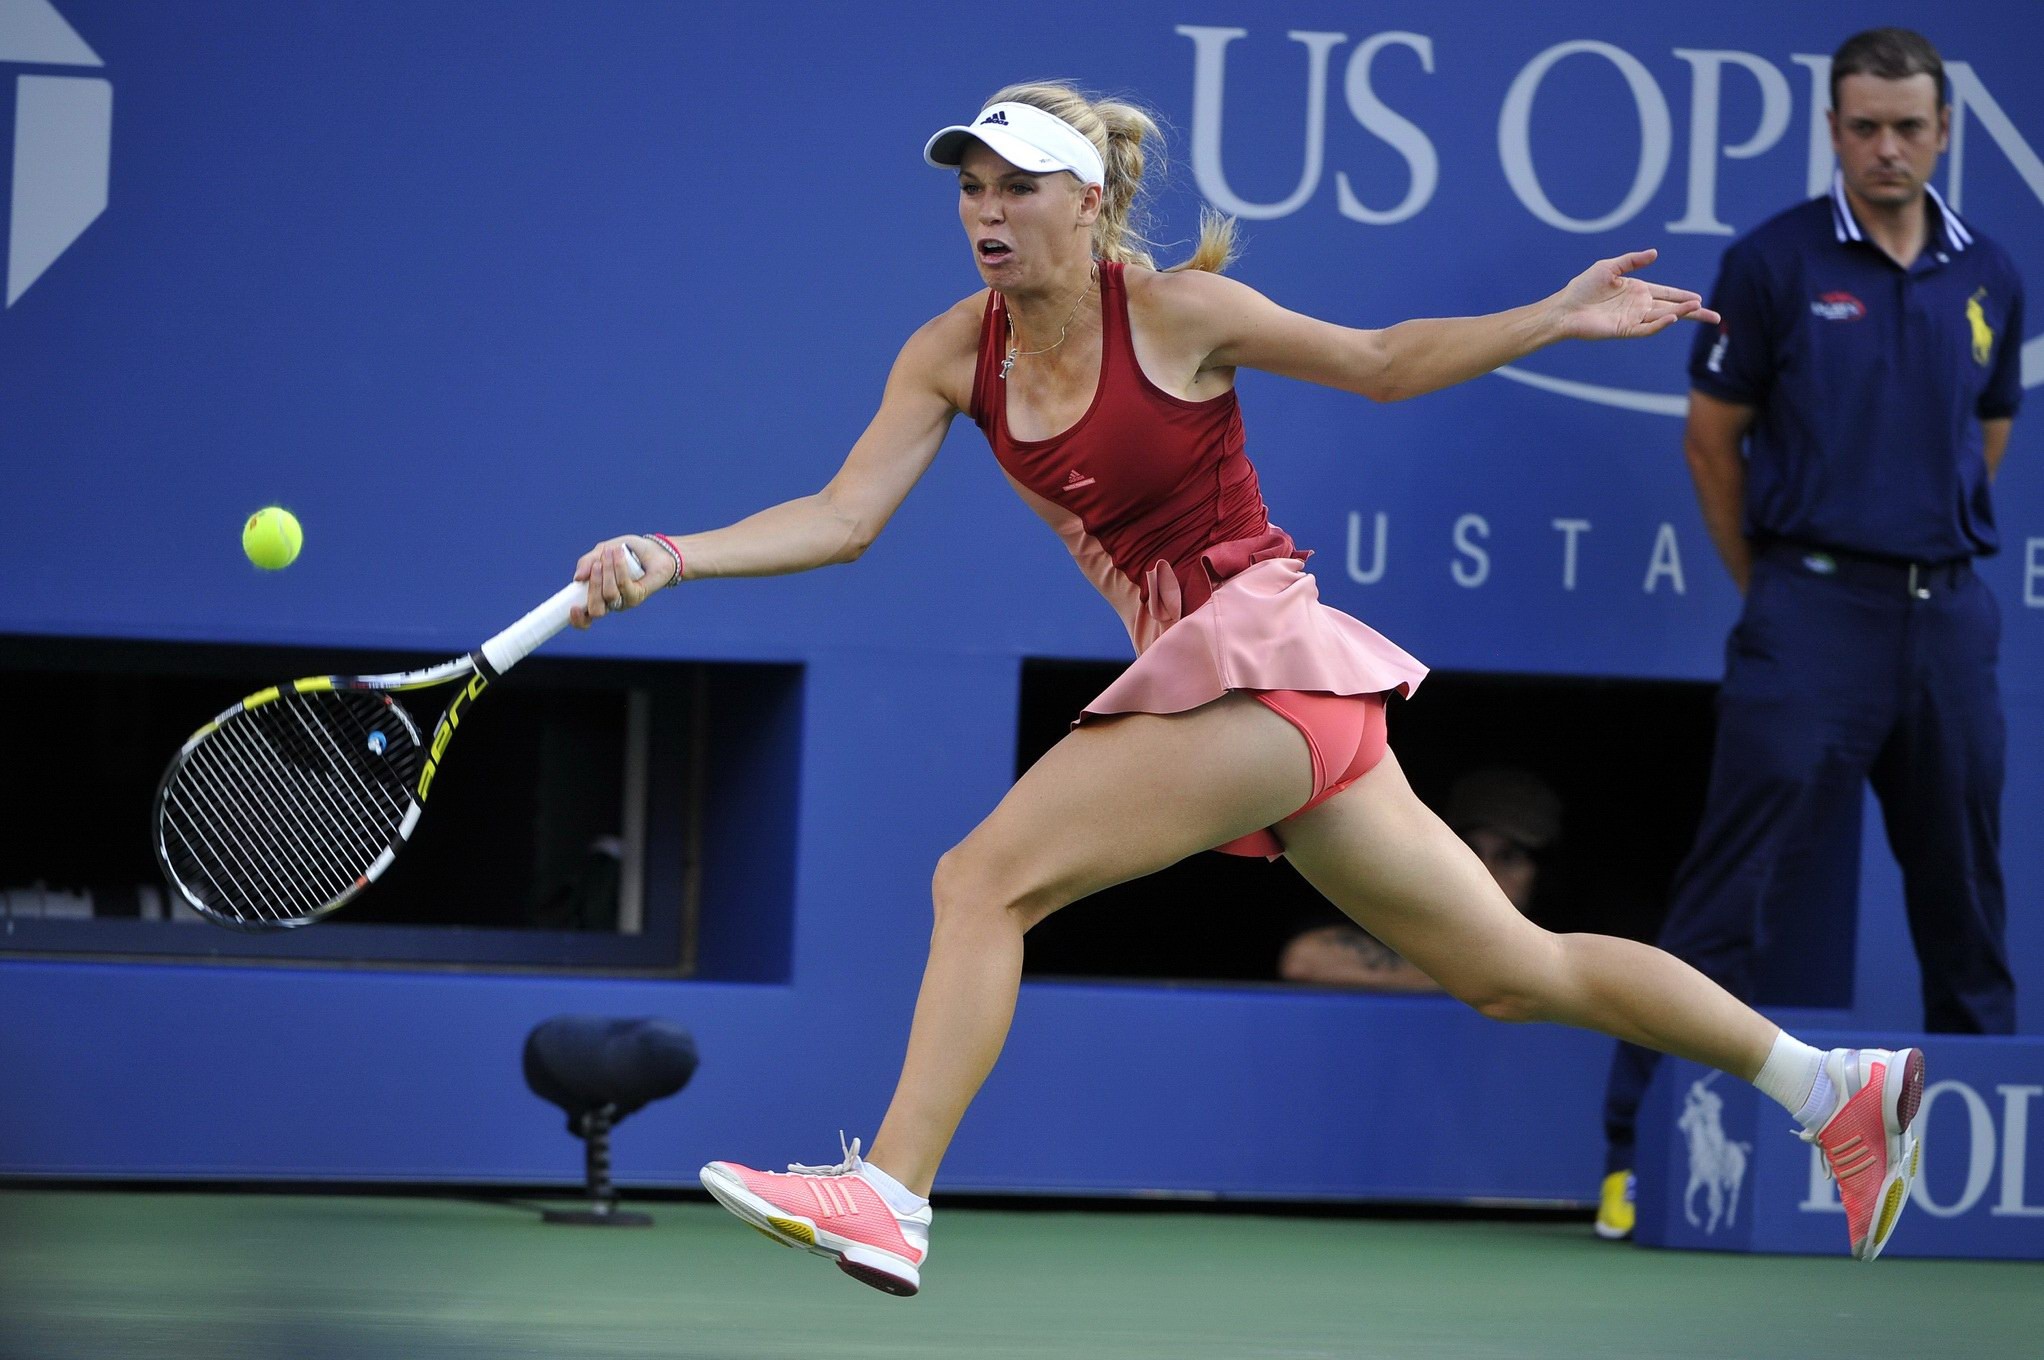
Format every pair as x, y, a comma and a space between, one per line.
272, 538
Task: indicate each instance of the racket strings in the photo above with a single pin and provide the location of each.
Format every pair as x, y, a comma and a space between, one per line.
264, 855
208, 814
285, 824
284, 808
305, 855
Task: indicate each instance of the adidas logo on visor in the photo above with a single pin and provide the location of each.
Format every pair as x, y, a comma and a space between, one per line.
1043, 141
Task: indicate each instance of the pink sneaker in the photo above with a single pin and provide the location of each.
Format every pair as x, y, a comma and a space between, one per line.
1868, 1143
832, 1211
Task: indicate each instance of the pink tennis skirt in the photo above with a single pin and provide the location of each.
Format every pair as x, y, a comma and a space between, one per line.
1264, 630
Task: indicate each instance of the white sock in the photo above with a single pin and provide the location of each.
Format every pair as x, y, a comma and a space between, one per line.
898, 1196
1794, 1077
1817, 1108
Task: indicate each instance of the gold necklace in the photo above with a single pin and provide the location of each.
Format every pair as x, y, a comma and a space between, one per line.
1014, 335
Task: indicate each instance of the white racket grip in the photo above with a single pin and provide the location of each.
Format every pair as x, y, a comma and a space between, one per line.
530, 633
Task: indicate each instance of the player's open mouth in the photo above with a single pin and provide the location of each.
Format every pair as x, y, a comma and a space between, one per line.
993, 251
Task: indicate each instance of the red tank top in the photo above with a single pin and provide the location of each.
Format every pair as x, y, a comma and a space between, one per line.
1147, 477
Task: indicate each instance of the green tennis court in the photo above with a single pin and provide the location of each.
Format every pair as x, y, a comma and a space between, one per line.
146, 1274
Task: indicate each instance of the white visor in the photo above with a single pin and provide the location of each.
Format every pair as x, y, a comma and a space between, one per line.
1026, 137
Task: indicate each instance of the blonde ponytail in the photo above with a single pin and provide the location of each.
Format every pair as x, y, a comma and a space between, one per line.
1118, 130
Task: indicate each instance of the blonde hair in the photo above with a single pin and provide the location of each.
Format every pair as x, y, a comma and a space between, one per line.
1118, 130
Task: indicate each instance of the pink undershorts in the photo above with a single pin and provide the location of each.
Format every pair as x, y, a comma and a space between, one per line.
1345, 736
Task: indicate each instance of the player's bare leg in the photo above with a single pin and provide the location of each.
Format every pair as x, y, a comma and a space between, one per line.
1110, 802
1385, 859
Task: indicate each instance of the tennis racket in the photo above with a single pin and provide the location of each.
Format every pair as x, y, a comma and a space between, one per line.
290, 803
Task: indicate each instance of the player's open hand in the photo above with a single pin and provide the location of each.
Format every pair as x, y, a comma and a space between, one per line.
1605, 303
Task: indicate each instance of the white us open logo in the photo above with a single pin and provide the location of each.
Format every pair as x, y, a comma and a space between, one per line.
1708, 147
63, 139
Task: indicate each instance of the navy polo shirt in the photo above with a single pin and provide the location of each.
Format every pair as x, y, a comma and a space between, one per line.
1870, 380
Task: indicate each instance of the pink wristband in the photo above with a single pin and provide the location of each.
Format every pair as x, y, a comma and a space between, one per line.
664, 541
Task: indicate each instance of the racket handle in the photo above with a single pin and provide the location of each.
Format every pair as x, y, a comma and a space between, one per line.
526, 636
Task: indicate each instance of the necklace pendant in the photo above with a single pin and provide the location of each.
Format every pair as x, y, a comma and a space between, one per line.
1006, 364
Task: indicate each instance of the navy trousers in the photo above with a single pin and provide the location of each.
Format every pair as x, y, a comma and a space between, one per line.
1844, 670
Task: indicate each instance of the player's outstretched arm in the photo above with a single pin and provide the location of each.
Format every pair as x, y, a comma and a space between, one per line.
1604, 302
833, 525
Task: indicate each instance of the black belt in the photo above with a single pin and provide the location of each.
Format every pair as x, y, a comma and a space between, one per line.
1898, 574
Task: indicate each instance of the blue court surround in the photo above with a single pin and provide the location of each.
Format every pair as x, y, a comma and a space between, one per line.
470, 286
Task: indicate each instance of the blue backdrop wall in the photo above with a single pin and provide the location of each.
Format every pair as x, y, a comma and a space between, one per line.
472, 285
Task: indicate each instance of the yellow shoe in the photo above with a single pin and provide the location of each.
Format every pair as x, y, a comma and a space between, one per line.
1614, 1206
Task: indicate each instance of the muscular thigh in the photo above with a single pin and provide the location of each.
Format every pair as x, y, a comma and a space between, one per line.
1121, 798
1384, 858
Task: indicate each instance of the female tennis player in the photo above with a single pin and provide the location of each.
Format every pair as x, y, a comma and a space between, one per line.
1253, 718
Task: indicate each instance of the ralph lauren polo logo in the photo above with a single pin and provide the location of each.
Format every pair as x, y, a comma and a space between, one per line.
1983, 334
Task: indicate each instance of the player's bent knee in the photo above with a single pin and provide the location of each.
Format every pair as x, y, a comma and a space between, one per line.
966, 891
1516, 996
1531, 982
951, 893
1506, 1004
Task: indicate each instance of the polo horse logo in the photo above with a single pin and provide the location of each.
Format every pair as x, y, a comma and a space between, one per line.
1983, 334
1717, 1165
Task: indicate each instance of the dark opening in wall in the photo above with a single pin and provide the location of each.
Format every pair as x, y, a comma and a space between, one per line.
1627, 761
595, 815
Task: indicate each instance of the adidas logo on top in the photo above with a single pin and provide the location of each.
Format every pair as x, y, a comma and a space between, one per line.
998, 116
